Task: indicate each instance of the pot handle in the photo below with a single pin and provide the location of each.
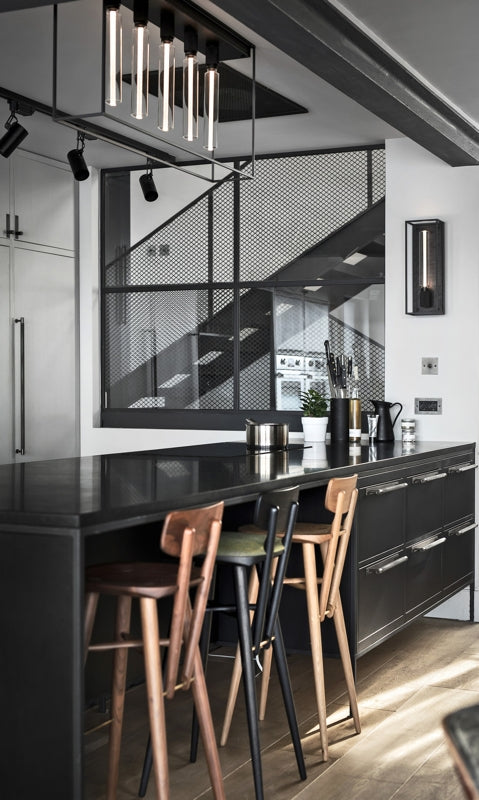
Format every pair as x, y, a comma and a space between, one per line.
397, 415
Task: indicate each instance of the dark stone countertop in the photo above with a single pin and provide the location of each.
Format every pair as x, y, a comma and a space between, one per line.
104, 492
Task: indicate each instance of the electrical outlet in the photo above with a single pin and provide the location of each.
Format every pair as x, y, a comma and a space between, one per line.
429, 365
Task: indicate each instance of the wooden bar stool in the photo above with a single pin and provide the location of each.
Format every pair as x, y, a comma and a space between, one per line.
341, 497
185, 534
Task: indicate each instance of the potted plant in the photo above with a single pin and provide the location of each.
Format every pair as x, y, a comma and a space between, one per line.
315, 415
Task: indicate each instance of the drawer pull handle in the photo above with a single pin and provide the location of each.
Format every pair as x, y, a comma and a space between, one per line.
393, 487
463, 468
386, 567
428, 478
420, 548
466, 529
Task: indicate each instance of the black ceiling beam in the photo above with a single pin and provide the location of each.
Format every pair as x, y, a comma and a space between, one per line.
322, 39
18, 5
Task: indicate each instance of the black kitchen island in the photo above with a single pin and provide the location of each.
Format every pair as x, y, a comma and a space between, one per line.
412, 548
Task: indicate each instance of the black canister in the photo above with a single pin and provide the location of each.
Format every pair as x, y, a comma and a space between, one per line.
339, 419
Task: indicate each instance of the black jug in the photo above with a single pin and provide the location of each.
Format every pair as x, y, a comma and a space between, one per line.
385, 426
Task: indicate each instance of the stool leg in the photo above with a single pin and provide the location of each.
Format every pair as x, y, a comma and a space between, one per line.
91, 603
340, 627
120, 663
202, 705
285, 683
154, 684
246, 644
237, 667
311, 582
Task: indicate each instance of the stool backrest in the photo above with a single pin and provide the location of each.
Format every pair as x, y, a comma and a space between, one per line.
341, 498
276, 512
186, 534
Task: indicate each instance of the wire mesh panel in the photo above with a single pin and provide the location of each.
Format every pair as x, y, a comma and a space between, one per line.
303, 199
256, 349
193, 315
169, 349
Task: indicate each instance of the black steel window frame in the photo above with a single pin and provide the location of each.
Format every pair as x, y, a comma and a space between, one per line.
206, 419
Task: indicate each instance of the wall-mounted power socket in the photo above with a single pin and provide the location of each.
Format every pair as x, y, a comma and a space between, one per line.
429, 366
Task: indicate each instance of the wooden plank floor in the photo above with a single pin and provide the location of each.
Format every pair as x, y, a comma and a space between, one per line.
405, 687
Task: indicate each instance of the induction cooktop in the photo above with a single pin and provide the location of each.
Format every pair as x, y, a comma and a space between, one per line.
221, 450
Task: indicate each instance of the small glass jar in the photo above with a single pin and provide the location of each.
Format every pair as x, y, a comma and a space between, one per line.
408, 431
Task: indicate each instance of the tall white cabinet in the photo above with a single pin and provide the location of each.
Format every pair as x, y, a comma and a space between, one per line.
38, 310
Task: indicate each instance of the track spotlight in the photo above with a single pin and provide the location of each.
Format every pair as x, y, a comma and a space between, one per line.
76, 160
15, 134
148, 186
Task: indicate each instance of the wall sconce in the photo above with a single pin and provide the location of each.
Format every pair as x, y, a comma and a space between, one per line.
425, 267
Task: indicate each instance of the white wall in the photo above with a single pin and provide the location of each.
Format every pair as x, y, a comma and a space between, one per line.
418, 185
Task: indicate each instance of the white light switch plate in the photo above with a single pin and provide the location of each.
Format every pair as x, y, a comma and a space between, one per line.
429, 365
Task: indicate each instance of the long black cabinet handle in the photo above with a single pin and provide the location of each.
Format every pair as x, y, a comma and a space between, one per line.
428, 478
468, 528
462, 468
421, 548
386, 567
12, 231
21, 449
393, 487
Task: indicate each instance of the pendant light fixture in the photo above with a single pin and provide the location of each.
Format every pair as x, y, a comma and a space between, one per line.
211, 98
140, 53
113, 53
166, 73
190, 85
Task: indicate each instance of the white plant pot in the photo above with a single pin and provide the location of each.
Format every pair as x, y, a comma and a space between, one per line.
314, 428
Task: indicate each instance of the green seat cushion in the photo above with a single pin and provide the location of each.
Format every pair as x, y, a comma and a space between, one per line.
244, 548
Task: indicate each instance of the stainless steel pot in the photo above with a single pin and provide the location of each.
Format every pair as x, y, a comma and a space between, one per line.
266, 435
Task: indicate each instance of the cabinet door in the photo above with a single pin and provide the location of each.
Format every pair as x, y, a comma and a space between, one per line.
380, 518
425, 503
45, 298
424, 574
459, 556
459, 492
381, 600
4, 196
43, 201
6, 383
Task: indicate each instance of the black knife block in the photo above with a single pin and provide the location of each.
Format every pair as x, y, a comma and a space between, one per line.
339, 419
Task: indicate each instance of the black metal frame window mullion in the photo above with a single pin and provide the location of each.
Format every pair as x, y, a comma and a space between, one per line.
177, 417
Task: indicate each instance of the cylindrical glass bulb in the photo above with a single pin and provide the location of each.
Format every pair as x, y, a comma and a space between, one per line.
210, 117
424, 257
139, 72
190, 97
113, 57
166, 87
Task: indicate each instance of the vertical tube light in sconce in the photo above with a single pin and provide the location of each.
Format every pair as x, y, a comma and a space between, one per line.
425, 267
140, 53
166, 73
113, 53
211, 97
190, 85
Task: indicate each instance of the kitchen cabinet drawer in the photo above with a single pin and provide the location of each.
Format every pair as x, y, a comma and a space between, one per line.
459, 492
381, 518
424, 573
381, 599
458, 563
425, 503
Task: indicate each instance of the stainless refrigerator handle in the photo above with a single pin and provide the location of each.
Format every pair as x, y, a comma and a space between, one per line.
21, 449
